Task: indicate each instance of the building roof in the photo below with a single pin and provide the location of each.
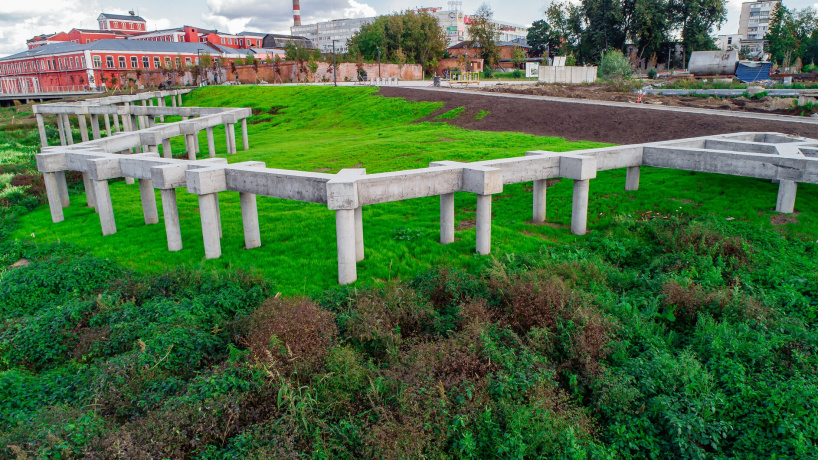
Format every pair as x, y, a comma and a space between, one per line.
114, 44
97, 31
273, 41
122, 17
51, 48
253, 34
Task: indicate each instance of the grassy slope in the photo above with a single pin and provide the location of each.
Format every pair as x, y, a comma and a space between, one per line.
326, 129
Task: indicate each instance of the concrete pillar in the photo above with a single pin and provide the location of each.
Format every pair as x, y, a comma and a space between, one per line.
83, 128
41, 129
90, 195
107, 119
116, 123
579, 210
171, 214
150, 102
161, 102
95, 126
52, 192
69, 136
191, 146
359, 234
483, 224
249, 218
180, 99
345, 236
632, 179
447, 218
148, 201
786, 196
62, 186
219, 215
540, 186
104, 206
209, 211
173, 100
61, 129
232, 128
244, 139
211, 145
166, 151
196, 141
227, 137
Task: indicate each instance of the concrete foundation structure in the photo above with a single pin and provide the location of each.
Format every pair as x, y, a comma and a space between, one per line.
768, 156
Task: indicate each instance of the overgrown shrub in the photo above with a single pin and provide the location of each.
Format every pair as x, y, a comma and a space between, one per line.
614, 65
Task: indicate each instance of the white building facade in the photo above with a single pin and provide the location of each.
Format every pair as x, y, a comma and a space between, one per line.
755, 18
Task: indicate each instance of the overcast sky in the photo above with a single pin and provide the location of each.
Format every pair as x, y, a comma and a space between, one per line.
20, 20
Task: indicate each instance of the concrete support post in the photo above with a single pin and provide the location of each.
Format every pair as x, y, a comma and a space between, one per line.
69, 136
447, 218
41, 129
173, 100
107, 119
632, 179
61, 129
359, 234
244, 138
196, 141
483, 237
104, 207
227, 137
83, 128
62, 186
231, 138
52, 192
345, 236
211, 144
191, 146
786, 196
161, 102
90, 195
148, 197
209, 210
540, 186
249, 219
166, 151
150, 102
579, 210
171, 215
95, 126
116, 124
180, 99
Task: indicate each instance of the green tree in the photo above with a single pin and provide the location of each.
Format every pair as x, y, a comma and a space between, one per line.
418, 36
312, 65
206, 60
696, 20
518, 56
484, 34
790, 35
250, 59
650, 26
605, 29
541, 38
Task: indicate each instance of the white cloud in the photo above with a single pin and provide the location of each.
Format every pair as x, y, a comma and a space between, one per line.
20, 21
265, 16
358, 10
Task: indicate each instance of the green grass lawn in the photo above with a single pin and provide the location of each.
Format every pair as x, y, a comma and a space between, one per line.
327, 129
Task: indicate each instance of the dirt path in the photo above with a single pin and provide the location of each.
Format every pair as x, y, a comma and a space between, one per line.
573, 121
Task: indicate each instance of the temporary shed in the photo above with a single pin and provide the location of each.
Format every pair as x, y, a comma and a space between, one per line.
749, 71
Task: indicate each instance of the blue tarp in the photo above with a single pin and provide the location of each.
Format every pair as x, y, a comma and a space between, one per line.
753, 71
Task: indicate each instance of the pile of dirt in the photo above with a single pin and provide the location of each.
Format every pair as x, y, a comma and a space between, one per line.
573, 121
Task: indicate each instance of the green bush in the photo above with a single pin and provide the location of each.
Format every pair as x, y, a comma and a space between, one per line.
652, 74
614, 65
517, 73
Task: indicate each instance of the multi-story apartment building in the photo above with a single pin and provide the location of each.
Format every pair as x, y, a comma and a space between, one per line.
755, 18
322, 34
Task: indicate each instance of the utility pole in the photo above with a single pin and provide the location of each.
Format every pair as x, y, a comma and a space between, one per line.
379, 62
334, 66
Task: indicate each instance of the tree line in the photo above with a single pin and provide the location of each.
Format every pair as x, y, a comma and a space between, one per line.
793, 36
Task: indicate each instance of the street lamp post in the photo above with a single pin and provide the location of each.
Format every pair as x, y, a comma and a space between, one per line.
334, 65
379, 62
199, 58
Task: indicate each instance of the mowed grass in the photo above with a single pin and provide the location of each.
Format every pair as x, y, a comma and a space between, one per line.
327, 129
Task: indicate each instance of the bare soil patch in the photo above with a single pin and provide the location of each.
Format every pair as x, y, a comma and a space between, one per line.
616, 125
782, 219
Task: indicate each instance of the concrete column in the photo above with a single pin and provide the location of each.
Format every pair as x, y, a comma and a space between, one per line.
61, 129
232, 128
150, 102
447, 218
345, 236
196, 141
227, 137
540, 186
171, 215
95, 126
209, 211
786, 196
359, 234
161, 102
116, 123
52, 192
579, 211
107, 119
632, 179
41, 129
83, 128
191, 146
249, 218
211, 145
244, 139
166, 151
180, 99
104, 206
219, 215
148, 201
69, 136
173, 100
62, 186
90, 195
483, 224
